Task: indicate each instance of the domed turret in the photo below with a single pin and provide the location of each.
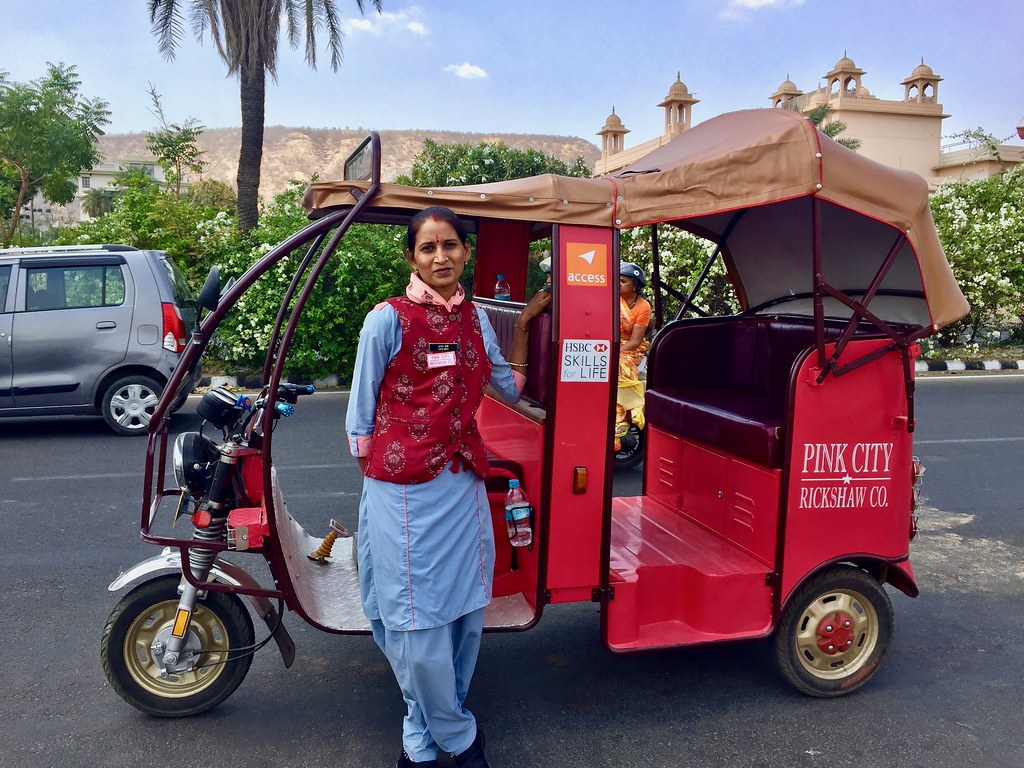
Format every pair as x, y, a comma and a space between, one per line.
844, 79
785, 92
612, 135
678, 106
922, 86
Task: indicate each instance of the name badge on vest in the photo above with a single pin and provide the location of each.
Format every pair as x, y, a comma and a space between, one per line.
442, 355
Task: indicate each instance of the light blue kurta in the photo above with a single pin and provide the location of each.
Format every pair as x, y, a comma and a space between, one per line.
426, 551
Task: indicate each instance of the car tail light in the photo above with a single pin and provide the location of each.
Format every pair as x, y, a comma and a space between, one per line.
174, 329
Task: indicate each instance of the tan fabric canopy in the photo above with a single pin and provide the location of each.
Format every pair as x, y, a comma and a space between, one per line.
733, 161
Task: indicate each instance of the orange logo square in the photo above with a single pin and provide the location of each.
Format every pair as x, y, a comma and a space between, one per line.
587, 264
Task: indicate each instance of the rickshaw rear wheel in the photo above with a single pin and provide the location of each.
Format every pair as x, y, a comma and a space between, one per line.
834, 633
219, 624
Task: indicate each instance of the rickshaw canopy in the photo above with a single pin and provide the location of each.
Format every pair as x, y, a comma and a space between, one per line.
745, 180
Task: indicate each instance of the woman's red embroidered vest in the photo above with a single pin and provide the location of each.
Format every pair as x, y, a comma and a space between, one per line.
426, 405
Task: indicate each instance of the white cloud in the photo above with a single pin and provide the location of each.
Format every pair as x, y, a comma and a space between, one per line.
466, 71
378, 24
364, 25
736, 10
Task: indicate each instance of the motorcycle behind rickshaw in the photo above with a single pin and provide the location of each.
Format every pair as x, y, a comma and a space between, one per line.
778, 497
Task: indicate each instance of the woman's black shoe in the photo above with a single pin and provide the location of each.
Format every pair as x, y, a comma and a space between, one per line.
405, 762
473, 757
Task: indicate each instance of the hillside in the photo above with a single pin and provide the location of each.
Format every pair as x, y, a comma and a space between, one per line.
298, 153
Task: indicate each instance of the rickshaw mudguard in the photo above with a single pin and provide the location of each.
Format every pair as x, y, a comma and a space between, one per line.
901, 576
227, 573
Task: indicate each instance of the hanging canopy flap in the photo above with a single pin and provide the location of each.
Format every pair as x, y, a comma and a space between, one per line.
547, 198
761, 162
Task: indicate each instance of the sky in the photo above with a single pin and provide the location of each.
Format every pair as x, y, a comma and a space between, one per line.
540, 66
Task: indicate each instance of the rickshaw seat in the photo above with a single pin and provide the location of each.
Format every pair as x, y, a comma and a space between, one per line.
742, 422
725, 383
503, 317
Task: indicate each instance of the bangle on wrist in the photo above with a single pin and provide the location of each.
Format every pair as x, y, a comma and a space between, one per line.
524, 330
519, 365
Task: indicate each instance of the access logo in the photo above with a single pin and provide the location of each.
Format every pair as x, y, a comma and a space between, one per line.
587, 264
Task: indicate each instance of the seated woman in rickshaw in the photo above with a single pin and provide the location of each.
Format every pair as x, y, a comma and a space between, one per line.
634, 319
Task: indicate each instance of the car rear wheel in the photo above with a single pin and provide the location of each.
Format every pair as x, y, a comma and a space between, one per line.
128, 404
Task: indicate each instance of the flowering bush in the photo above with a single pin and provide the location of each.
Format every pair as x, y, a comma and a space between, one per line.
981, 226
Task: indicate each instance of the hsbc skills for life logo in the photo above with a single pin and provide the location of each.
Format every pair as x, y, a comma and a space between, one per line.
588, 264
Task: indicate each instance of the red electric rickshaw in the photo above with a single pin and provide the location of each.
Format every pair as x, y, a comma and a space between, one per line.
779, 480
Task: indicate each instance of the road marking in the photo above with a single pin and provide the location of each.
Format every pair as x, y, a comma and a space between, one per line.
971, 440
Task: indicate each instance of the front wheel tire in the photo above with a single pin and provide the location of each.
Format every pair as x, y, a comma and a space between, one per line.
219, 625
834, 633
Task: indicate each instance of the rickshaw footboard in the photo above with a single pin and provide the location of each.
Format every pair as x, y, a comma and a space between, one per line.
676, 583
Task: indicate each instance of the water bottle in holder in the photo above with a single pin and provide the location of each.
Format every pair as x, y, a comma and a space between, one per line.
517, 516
502, 290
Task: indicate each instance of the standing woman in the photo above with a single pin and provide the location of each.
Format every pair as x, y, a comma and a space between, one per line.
426, 545
634, 319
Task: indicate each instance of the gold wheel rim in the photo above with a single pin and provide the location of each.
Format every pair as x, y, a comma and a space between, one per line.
206, 631
826, 647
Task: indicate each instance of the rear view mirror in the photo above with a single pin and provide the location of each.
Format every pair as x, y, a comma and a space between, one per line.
209, 296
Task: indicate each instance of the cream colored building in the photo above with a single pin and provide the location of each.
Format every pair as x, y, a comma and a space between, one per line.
41, 214
904, 133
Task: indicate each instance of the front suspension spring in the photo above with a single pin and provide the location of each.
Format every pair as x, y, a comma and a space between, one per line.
202, 558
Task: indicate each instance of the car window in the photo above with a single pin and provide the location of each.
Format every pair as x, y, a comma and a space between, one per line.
5, 281
74, 287
183, 295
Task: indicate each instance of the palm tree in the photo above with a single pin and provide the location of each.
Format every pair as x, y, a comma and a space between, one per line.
246, 34
832, 128
98, 202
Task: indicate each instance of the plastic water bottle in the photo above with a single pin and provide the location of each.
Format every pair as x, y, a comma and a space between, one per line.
517, 516
502, 290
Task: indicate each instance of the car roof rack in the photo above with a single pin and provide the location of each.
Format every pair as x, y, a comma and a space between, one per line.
42, 249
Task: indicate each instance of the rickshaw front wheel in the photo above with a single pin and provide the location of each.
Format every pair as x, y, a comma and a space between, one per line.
834, 633
220, 625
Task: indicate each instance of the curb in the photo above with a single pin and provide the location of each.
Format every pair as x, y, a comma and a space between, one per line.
922, 366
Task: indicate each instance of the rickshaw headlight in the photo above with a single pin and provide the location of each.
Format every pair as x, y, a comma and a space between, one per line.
193, 458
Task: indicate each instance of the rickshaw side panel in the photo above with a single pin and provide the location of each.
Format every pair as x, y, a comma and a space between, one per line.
513, 434
586, 327
849, 458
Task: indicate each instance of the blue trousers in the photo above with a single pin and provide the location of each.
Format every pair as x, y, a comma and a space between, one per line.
434, 668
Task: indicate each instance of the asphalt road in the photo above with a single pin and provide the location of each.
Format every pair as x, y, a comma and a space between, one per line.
948, 696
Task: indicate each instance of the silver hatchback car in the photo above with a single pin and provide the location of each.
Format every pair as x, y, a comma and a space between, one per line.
91, 329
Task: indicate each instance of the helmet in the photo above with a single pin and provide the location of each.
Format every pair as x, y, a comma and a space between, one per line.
633, 271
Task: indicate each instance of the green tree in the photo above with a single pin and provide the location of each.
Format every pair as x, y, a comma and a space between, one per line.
832, 128
98, 202
246, 36
981, 226
449, 165
175, 145
48, 133
213, 193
